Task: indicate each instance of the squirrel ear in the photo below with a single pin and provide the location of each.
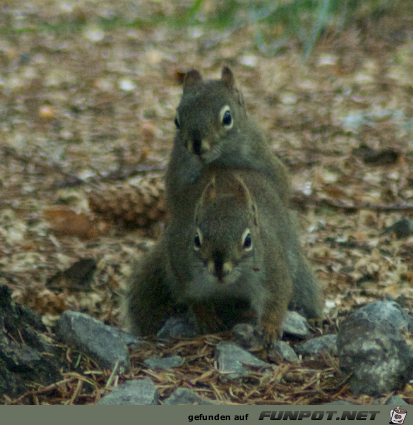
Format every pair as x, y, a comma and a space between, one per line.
192, 77
210, 192
254, 211
243, 193
244, 197
227, 77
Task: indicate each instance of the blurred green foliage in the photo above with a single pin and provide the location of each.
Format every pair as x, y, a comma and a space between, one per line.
274, 22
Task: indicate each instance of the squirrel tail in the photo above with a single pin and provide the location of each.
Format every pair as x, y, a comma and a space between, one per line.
148, 301
306, 290
306, 293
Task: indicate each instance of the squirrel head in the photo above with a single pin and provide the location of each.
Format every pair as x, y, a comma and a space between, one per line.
226, 239
210, 113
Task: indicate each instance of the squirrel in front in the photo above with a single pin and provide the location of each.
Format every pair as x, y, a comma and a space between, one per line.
243, 244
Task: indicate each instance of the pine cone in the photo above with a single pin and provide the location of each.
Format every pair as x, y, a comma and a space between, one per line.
138, 202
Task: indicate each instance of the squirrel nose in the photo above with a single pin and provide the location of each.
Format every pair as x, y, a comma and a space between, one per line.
199, 145
227, 268
220, 270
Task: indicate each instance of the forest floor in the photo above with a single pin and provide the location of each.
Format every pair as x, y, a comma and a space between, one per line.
81, 110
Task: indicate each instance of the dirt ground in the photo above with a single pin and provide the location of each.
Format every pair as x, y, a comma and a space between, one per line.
87, 104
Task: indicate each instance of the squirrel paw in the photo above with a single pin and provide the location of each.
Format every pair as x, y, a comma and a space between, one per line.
271, 334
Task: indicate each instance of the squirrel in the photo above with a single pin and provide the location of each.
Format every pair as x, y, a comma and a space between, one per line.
239, 259
242, 244
214, 129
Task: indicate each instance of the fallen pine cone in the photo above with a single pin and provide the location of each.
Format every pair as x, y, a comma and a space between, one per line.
138, 202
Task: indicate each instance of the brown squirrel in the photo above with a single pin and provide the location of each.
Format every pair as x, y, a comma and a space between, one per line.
241, 248
214, 129
244, 245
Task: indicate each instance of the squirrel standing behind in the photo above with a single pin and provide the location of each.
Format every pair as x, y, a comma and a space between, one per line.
215, 129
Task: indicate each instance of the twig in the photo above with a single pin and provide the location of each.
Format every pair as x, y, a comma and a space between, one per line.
8, 151
109, 383
43, 390
300, 199
76, 391
73, 180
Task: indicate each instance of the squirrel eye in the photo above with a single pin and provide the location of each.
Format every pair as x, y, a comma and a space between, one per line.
247, 241
177, 122
197, 240
226, 118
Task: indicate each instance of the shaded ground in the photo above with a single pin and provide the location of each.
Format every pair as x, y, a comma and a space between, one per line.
88, 102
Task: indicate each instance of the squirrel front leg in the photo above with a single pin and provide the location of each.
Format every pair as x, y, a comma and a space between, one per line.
273, 316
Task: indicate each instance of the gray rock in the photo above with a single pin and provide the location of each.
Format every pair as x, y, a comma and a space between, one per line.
247, 335
232, 360
95, 339
316, 345
129, 340
177, 327
395, 400
282, 351
165, 363
295, 324
186, 396
374, 350
136, 393
387, 311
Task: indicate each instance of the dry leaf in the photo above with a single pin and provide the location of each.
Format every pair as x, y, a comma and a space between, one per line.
70, 223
